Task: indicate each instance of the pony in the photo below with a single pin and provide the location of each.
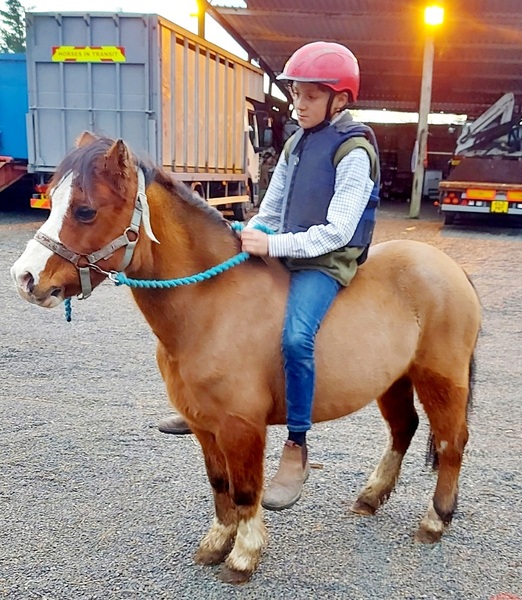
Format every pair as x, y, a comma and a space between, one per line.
408, 321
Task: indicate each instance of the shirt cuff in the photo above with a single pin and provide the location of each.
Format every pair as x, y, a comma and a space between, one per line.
280, 245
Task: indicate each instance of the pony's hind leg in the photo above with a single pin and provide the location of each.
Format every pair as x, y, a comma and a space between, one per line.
219, 540
397, 408
445, 402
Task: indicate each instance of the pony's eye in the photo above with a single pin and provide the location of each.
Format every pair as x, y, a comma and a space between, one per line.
85, 214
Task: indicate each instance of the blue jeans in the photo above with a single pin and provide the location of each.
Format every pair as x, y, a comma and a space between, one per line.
311, 295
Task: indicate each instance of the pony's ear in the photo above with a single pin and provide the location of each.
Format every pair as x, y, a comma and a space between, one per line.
118, 163
84, 138
117, 158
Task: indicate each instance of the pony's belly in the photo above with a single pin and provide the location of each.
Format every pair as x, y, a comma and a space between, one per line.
335, 407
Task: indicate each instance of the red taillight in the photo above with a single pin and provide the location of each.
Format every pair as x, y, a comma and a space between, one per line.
41, 188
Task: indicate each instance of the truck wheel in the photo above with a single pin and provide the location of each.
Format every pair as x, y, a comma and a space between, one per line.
449, 218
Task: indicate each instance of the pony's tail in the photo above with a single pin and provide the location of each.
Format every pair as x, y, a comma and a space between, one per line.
432, 456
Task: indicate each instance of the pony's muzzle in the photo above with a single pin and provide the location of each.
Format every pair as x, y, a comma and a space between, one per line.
29, 291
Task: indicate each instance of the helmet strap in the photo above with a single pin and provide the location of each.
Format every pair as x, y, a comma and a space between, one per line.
331, 97
329, 106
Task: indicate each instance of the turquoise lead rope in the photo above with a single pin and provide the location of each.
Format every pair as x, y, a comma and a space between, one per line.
122, 279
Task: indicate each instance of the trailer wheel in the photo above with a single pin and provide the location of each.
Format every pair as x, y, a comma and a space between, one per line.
240, 209
449, 218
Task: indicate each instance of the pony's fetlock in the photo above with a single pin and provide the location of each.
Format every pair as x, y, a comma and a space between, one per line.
380, 484
216, 545
373, 495
212, 557
431, 527
250, 540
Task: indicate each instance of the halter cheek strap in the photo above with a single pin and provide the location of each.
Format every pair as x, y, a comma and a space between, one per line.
87, 262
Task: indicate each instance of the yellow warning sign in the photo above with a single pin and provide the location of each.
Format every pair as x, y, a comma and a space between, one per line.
88, 54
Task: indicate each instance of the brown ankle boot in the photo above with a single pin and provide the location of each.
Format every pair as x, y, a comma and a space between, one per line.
285, 488
174, 424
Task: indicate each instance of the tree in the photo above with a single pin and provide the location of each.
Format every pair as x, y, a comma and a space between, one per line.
12, 33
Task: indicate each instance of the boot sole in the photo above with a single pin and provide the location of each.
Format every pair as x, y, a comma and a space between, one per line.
175, 431
276, 507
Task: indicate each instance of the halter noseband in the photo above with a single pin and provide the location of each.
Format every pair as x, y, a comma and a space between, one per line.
87, 262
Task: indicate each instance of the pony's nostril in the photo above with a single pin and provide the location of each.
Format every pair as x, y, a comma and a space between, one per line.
26, 282
56, 292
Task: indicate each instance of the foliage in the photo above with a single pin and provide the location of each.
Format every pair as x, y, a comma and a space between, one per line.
12, 33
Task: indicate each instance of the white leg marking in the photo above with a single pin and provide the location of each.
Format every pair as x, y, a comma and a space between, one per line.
250, 539
442, 446
218, 536
35, 257
383, 479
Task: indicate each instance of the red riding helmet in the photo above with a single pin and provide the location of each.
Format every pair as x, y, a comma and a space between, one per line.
327, 63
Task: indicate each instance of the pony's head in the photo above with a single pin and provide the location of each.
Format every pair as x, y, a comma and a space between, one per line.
98, 201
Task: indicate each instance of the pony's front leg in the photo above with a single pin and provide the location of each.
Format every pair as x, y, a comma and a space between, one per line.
243, 445
219, 540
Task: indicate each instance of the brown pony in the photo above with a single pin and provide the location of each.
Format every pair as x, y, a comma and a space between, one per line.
409, 320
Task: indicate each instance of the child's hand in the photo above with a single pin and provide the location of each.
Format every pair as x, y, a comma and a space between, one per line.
254, 242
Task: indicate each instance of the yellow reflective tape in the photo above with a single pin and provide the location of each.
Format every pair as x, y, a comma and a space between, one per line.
514, 195
479, 194
41, 203
88, 54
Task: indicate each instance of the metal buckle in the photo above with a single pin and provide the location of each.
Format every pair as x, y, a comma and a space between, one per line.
134, 231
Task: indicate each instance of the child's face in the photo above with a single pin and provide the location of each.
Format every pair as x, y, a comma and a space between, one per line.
311, 101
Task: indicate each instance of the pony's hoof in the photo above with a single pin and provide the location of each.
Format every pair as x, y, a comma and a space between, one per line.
228, 575
360, 507
427, 536
211, 557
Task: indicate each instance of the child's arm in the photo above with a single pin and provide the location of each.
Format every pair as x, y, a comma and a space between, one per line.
272, 205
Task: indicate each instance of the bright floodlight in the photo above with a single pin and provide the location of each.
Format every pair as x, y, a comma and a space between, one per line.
433, 15
193, 8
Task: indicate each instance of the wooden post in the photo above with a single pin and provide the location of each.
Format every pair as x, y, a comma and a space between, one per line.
422, 129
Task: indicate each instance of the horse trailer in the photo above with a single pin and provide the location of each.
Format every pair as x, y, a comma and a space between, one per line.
186, 104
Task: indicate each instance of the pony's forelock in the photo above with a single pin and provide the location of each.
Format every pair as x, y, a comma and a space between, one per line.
84, 161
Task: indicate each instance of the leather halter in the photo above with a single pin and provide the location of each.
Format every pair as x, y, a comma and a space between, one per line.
87, 262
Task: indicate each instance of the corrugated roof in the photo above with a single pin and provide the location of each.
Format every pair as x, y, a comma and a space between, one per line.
478, 50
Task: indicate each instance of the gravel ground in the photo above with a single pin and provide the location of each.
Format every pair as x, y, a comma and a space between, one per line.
96, 503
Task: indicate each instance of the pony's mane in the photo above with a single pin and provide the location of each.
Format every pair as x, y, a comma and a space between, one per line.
178, 188
83, 161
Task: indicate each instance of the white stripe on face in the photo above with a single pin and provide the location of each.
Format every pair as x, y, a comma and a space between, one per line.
35, 257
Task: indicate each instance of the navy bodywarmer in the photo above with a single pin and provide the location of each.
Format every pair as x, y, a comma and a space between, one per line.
310, 179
